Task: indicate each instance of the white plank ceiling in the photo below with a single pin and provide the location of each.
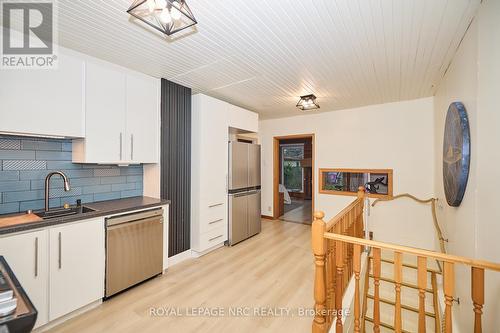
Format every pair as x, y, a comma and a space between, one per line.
262, 55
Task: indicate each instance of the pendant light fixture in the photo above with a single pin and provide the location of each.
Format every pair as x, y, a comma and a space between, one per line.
307, 102
167, 16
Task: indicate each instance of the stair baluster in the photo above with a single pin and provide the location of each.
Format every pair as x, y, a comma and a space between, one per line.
398, 275
356, 267
477, 296
449, 286
339, 291
376, 295
422, 286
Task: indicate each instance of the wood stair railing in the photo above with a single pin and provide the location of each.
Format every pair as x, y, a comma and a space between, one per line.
335, 263
337, 246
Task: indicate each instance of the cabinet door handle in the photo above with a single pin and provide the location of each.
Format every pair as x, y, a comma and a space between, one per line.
36, 256
215, 221
121, 145
216, 205
214, 238
132, 147
60, 250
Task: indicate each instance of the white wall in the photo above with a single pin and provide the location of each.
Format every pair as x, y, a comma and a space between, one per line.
398, 136
474, 227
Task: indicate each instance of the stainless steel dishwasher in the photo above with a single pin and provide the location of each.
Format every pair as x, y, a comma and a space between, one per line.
134, 249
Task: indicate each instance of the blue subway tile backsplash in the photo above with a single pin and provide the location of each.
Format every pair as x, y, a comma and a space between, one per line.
26, 161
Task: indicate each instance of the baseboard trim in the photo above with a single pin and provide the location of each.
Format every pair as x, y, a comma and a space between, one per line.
58, 321
199, 254
180, 257
267, 217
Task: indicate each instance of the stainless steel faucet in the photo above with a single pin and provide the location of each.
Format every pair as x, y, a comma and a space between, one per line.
47, 186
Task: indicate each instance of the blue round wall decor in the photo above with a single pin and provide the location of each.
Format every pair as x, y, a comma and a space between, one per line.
456, 153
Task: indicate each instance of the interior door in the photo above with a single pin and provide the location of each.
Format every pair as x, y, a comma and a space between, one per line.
238, 167
238, 210
253, 165
254, 211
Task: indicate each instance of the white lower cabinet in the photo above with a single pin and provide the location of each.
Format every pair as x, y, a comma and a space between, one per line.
60, 268
77, 262
27, 255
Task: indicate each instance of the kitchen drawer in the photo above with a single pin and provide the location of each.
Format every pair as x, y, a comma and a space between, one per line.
213, 210
212, 238
207, 224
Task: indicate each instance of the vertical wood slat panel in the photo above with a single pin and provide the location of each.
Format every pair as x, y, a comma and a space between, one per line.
376, 293
398, 278
449, 289
357, 268
422, 285
477, 291
175, 158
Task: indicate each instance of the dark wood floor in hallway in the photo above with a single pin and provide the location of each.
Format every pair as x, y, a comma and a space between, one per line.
271, 270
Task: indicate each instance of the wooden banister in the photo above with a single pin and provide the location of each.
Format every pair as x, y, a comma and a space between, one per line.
416, 251
337, 246
334, 263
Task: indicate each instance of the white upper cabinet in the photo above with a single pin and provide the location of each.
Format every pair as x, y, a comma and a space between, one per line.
121, 115
45, 101
143, 123
105, 96
242, 119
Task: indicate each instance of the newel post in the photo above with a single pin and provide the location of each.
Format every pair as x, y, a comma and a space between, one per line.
319, 250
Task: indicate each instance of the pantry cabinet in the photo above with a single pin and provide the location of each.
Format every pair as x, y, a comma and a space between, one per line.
211, 120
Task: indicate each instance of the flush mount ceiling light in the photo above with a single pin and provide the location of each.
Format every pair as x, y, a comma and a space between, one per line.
307, 102
167, 16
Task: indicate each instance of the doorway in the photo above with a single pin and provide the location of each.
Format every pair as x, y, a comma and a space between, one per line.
293, 188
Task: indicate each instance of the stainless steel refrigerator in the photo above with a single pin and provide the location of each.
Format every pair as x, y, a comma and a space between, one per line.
244, 191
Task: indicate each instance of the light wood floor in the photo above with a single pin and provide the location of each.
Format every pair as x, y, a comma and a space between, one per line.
272, 269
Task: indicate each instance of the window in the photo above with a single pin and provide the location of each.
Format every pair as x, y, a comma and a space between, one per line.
378, 183
291, 169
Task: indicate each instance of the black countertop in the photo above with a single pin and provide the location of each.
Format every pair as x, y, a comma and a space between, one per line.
102, 208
